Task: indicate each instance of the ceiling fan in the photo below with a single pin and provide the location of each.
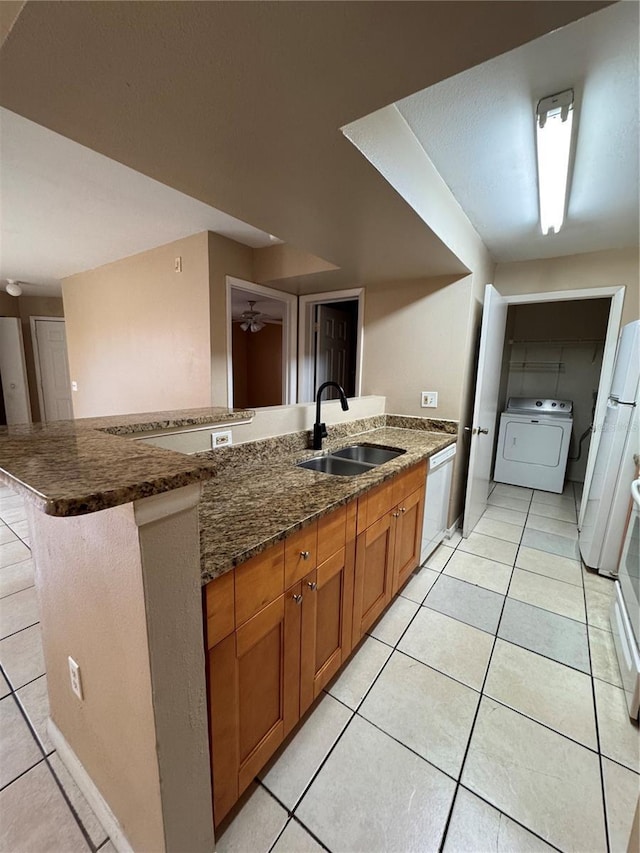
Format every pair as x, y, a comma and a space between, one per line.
251, 320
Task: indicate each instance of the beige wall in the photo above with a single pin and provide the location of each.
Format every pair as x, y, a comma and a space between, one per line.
226, 257
257, 367
271, 264
111, 598
138, 332
593, 269
91, 597
8, 305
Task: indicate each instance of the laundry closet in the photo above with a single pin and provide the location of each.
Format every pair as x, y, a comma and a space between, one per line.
551, 366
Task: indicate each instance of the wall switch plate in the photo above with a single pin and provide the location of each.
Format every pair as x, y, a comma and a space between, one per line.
74, 386
429, 399
74, 676
177, 264
221, 439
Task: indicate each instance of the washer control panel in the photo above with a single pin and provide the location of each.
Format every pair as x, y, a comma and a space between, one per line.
539, 405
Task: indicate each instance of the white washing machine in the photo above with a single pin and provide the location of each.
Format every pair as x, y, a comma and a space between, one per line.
533, 443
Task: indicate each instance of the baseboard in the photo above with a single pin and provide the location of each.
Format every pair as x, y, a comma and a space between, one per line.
88, 788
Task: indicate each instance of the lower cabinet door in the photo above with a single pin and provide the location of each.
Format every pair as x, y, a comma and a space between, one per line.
326, 622
408, 538
254, 683
373, 575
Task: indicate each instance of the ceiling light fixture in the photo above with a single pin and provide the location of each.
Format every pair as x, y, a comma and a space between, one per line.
554, 119
250, 321
13, 287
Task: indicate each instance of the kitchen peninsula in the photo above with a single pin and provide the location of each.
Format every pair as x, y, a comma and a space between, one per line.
124, 535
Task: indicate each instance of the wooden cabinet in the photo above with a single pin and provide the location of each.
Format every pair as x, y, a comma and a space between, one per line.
280, 626
290, 633
253, 696
388, 545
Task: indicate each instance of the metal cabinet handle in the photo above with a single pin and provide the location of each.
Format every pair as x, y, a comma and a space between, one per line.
312, 585
305, 554
297, 598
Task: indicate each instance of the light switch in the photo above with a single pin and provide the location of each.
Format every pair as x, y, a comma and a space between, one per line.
429, 400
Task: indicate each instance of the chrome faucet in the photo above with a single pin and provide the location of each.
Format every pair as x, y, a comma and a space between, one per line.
320, 429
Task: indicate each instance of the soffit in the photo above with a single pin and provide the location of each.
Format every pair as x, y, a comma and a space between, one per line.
239, 105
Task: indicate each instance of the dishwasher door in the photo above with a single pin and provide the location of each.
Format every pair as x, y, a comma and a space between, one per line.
436, 505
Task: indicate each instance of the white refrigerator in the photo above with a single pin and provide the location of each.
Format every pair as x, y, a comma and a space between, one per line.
602, 531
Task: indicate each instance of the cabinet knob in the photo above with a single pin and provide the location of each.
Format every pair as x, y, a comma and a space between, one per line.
395, 514
312, 585
305, 554
297, 598
403, 509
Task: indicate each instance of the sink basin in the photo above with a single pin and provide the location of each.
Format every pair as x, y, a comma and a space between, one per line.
368, 453
335, 465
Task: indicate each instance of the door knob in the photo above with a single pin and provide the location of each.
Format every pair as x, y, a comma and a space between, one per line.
483, 431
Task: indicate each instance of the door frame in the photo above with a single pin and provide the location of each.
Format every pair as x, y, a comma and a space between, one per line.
289, 335
616, 294
36, 359
306, 343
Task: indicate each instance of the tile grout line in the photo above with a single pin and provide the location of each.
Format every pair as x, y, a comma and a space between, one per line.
477, 711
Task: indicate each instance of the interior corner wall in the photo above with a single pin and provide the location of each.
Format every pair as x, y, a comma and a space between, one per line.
138, 332
571, 272
414, 341
225, 257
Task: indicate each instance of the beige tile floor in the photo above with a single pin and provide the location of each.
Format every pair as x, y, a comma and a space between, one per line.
484, 711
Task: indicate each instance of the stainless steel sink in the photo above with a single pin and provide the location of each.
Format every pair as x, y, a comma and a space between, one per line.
368, 453
353, 460
335, 465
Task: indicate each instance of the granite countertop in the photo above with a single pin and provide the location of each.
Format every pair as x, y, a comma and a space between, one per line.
262, 497
69, 468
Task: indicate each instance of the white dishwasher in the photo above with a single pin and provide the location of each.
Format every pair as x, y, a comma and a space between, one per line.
436, 505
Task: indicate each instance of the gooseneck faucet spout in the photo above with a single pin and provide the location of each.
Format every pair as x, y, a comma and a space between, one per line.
320, 429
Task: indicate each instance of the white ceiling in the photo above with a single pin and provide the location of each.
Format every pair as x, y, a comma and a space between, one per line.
239, 303
65, 209
478, 129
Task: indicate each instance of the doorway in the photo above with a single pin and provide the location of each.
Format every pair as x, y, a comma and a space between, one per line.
331, 342
492, 383
261, 345
52, 368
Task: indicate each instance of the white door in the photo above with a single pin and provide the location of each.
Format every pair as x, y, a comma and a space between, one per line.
485, 409
50, 349
332, 348
13, 371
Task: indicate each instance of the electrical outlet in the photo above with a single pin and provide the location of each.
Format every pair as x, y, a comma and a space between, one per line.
74, 676
177, 264
221, 439
429, 400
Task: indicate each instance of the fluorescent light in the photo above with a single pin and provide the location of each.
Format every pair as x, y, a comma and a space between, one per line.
554, 120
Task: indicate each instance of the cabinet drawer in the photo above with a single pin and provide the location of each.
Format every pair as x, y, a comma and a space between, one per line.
300, 554
259, 581
220, 608
331, 533
375, 504
408, 482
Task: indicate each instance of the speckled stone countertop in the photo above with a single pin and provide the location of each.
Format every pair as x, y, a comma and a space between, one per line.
259, 496
74, 467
